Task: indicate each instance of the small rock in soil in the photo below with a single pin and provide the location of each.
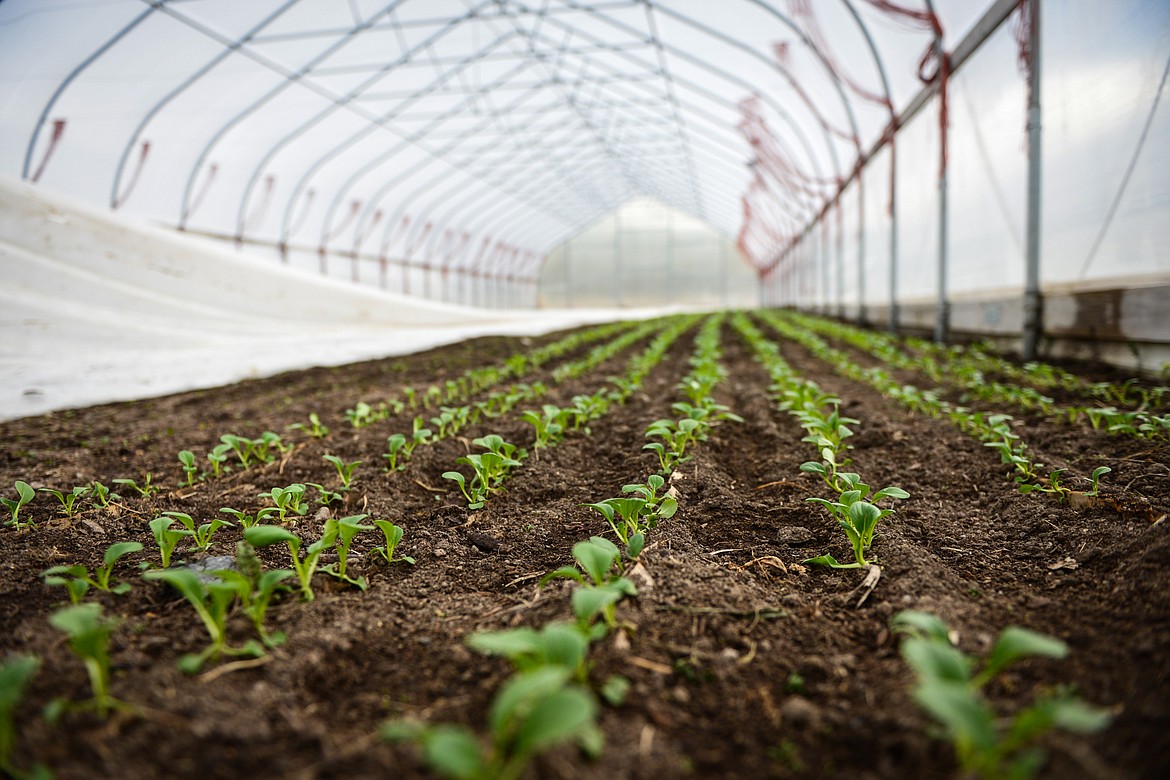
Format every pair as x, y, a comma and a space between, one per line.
799, 711
212, 563
482, 541
794, 536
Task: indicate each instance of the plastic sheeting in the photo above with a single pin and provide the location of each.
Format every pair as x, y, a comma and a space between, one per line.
96, 307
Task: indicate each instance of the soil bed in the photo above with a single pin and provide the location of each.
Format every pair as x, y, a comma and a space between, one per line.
739, 667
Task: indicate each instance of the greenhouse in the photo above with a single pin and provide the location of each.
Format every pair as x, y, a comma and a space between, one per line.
584, 388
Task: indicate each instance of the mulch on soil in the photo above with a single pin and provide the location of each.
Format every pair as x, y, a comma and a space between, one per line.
743, 663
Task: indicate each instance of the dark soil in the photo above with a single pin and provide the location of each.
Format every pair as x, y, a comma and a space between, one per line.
743, 663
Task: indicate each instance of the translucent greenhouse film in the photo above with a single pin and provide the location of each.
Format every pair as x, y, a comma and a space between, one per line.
584, 389
938, 165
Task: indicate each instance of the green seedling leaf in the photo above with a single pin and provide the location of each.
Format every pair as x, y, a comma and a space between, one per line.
1015, 643
24, 494
454, 751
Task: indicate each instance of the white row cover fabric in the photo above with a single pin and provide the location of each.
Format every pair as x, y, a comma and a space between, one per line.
98, 307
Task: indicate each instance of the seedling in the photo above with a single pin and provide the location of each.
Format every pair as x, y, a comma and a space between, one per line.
187, 461
418, 435
555, 644
77, 580
68, 500
166, 537
218, 457
201, 534
858, 518
629, 510
241, 446
102, 495
548, 423
211, 603
243, 518
287, 499
533, 712
24, 494
393, 535
266, 447
344, 470
395, 447
15, 674
661, 507
361, 415
304, 568
325, 496
1098, 472
89, 638
988, 744
343, 532
604, 588
146, 489
315, 428
256, 589
490, 469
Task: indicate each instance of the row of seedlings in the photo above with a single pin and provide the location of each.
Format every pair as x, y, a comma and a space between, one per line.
959, 369
854, 509
492, 466
950, 686
247, 585
994, 430
550, 699
478, 379
497, 404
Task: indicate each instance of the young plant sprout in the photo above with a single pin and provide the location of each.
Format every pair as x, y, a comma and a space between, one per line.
857, 517
70, 499
241, 446
533, 712
361, 415
555, 644
1095, 478
24, 494
287, 500
395, 447
200, 534
146, 489
102, 495
304, 568
987, 744
343, 531
218, 457
344, 470
315, 428
257, 589
393, 535
212, 603
602, 590
167, 537
77, 579
190, 470
243, 518
325, 496
268, 445
89, 638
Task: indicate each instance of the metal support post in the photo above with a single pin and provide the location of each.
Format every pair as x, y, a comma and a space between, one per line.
1033, 303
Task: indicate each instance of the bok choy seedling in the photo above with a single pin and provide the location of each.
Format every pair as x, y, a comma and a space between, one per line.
988, 744
89, 639
533, 712
77, 579
265, 535
212, 603
24, 494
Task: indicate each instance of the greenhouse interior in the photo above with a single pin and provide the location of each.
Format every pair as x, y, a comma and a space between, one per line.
499, 388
